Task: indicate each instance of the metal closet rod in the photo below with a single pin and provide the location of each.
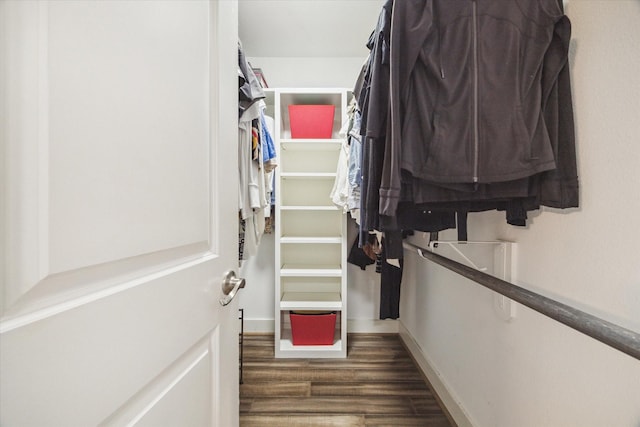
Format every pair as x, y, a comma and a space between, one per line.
625, 340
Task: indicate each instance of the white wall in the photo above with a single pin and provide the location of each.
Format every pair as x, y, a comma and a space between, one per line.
534, 371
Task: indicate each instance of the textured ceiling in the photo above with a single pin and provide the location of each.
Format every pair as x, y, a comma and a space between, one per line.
307, 28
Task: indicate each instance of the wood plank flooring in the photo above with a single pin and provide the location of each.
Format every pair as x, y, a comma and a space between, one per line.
378, 384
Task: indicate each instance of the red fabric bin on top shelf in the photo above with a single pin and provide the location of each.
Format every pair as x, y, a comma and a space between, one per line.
311, 328
311, 121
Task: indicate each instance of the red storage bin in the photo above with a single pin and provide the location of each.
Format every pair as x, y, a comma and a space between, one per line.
311, 121
312, 328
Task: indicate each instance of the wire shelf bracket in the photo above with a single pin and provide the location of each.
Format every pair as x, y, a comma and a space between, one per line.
505, 308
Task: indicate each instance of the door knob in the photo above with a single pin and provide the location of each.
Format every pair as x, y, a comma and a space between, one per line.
230, 286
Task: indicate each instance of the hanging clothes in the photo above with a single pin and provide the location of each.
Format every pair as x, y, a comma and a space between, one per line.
340, 191
256, 160
466, 106
270, 163
479, 113
474, 104
355, 164
390, 280
373, 91
249, 88
252, 191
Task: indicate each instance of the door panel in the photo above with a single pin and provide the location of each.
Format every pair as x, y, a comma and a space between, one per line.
102, 129
167, 400
121, 118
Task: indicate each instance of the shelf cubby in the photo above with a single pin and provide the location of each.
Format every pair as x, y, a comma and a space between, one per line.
310, 231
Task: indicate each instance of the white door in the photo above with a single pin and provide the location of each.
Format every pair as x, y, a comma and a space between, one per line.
119, 213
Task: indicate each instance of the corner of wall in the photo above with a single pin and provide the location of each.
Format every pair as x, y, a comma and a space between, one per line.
451, 404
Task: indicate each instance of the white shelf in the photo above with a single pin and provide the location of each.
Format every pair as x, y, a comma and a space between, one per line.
288, 270
309, 208
310, 144
311, 301
325, 299
306, 91
286, 345
311, 244
308, 175
286, 349
319, 240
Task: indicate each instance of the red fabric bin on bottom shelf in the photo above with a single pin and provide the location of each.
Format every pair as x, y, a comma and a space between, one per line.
312, 328
311, 121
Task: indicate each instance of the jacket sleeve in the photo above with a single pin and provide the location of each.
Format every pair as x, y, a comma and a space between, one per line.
411, 22
558, 188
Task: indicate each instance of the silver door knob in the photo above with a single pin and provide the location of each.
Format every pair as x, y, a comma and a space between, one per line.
230, 286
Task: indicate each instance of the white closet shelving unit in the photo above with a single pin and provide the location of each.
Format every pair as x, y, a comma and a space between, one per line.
310, 239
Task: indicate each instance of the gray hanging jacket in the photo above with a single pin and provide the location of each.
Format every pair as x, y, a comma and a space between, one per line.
480, 94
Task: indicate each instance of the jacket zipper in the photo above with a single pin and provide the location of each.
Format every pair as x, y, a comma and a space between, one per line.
476, 131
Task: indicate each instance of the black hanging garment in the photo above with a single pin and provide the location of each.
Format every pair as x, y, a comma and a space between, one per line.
390, 279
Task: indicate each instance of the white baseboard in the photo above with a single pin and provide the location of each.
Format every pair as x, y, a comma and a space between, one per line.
448, 399
371, 326
363, 326
261, 326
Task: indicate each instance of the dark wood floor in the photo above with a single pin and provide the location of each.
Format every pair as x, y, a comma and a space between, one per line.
377, 385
